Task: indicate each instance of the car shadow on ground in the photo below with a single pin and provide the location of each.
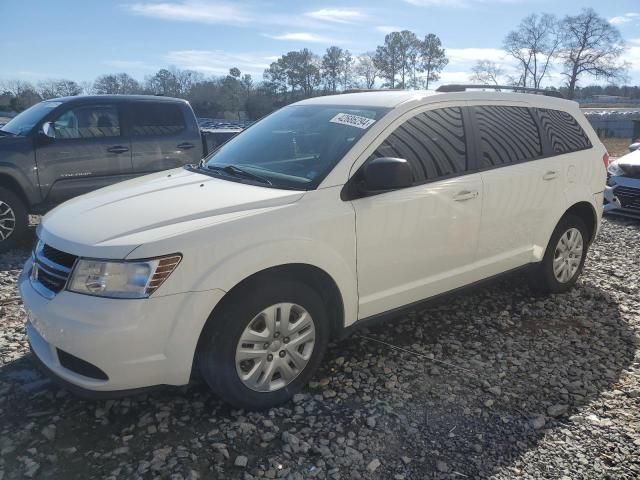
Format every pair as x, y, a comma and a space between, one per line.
463, 388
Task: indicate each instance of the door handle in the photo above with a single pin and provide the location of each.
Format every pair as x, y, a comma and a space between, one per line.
465, 195
186, 146
117, 149
550, 175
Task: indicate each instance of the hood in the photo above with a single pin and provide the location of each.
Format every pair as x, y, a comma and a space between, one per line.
630, 164
111, 222
632, 158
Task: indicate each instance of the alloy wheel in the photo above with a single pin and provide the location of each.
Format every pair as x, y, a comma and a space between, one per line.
275, 347
568, 255
7, 220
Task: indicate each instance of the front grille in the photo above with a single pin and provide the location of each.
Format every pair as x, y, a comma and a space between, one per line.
629, 197
56, 256
51, 269
79, 366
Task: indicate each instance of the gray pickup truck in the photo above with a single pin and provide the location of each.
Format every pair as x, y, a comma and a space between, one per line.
65, 147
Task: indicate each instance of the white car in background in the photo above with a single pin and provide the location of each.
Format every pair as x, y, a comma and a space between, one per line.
325, 214
622, 196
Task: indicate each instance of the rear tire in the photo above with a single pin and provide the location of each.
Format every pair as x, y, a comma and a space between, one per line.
247, 315
564, 258
14, 219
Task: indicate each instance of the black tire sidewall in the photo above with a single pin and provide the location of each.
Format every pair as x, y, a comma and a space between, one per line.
216, 355
546, 276
22, 218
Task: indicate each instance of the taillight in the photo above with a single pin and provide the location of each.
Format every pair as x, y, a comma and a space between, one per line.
605, 160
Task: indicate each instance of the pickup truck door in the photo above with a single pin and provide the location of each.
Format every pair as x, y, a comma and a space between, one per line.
88, 152
164, 135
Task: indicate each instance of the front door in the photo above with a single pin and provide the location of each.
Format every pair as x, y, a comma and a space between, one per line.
88, 152
419, 241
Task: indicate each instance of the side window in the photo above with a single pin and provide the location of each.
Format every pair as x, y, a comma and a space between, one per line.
506, 135
90, 121
563, 131
433, 142
156, 119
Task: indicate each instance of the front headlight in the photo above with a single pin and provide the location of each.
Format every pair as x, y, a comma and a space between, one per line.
615, 170
121, 279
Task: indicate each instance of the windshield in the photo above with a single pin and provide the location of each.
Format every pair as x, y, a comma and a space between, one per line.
23, 123
297, 146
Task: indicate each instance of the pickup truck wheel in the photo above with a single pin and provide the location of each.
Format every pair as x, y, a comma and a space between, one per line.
564, 258
14, 219
264, 344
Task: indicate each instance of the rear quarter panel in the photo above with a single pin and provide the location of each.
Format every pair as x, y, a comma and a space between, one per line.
583, 175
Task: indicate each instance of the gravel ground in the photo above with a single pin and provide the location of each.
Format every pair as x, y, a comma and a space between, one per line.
493, 383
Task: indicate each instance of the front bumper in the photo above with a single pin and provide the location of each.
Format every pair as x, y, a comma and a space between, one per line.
136, 343
622, 197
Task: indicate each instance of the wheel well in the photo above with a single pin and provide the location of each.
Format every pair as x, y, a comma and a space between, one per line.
312, 276
10, 183
585, 211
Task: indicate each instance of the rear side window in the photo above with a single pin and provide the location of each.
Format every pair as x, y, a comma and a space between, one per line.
563, 131
433, 143
506, 135
156, 119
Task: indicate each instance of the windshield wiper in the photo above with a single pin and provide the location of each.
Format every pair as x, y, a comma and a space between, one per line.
239, 172
4, 132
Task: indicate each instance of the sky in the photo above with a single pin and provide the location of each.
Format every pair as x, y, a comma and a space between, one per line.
81, 39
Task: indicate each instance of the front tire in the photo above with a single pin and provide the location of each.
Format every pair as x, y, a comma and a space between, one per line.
564, 258
264, 343
14, 219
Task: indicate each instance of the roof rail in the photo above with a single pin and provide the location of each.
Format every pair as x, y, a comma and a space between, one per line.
365, 90
515, 88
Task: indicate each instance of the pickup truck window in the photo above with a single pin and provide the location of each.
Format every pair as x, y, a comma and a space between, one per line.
24, 122
156, 119
88, 121
297, 146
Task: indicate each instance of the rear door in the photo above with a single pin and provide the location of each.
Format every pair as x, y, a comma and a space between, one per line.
89, 152
523, 187
161, 136
416, 242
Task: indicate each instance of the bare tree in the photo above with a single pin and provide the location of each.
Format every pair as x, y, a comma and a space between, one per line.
175, 82
16, 87
58, 88
591, 46
118, 83
486, 72
87, 87
21, 94
534, 44
366, 69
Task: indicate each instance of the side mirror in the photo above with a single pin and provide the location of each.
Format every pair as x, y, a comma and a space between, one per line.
387, 173
48, 130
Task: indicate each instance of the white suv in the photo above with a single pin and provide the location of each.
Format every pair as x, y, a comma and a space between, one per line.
325, 214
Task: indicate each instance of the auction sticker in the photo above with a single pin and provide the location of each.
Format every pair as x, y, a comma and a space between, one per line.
353, 120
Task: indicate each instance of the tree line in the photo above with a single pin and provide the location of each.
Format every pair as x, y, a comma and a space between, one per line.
582, 46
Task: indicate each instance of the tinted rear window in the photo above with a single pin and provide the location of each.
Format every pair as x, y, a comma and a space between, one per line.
507, 135
156, 119
563, 131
